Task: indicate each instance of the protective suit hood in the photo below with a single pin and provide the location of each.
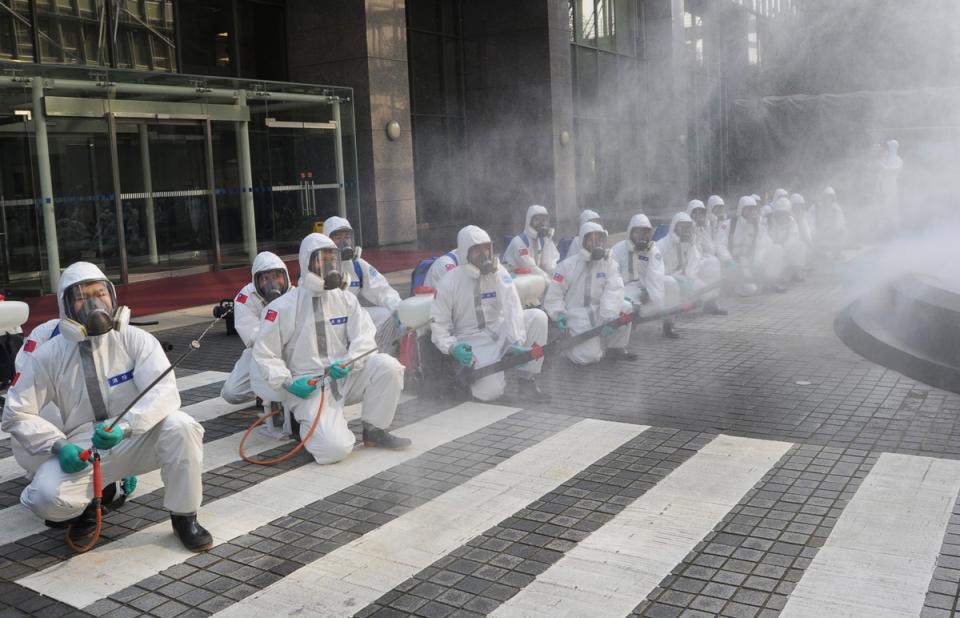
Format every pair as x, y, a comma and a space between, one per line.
267, 260
780, 193
782, 205
332, 224
78, 272
693, 205
797, 200
468, 237
312, 242
532, 211
714, 200
638, 221
680, 217
830, 191
588, 228
746, 200
586, 215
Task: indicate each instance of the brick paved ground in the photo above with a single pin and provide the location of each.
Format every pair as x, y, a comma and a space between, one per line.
770, 371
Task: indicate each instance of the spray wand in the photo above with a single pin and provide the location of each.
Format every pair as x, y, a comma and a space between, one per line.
93, 454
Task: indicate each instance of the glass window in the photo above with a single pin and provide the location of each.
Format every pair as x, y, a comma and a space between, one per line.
145, 36
262, 25
16, 32
206, 37
70, 32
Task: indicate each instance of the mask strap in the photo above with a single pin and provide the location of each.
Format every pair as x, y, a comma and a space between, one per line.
94, 394
320, 326
478, 306
587, 293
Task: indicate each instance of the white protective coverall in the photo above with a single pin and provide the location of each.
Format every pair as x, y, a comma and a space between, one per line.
485, 312
719, 230
115, 367
528, 250
799, 206
376, 295
757, 257
686, 269
785, 232
440, 267
243, 384
710, 266
889, 187
830, 226
40, 334
290, 346
589, 292
641, 270
585, 216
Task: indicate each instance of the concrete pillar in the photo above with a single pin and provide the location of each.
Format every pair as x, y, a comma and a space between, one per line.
247, 216
148, 189
46, 184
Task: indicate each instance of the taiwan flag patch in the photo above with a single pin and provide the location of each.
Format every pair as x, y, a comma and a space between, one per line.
30, 345
242, 299
451, 266
558, 277
524, 251
271, 315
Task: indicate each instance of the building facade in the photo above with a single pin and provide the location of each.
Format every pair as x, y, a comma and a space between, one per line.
152, 136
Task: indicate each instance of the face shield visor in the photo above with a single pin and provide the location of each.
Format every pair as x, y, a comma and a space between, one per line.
91, 304
595, 243
326, 264
685, 231
641, 237
343, 238
272, 284
481, 256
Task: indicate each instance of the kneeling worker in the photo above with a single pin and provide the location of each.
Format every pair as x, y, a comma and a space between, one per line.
270, 281
91, 372
319, 326
477, 317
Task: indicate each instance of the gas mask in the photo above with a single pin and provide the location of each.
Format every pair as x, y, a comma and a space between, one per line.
271, 284
642, 238
89, 308
684, 230
326, 264
541, 225
343, 238
595, 244
481, 257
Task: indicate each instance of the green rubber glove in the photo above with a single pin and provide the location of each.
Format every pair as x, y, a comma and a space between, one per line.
301, 387
516, 350
69, 457
462, 353
561, 321
129, 485
104, 438
339, 370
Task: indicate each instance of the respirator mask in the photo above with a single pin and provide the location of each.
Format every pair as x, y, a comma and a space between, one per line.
641, 238
272, 284
481, 258
326, 264
90, 310
685, 231
595, 244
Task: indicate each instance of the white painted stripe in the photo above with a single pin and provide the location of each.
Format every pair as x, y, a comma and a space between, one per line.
86, 578
880, 557
351, 577
616, 567
200, 379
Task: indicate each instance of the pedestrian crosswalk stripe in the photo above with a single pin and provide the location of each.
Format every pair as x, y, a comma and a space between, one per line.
614, 568
358, 573
883, 550
84, 579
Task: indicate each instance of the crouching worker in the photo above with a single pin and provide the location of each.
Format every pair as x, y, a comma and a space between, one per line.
586, 291
91, 372
477, 318
642, 270
686, 271
318, 327
270, 281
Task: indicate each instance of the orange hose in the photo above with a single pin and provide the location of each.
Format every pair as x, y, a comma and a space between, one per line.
98, 501
291, 453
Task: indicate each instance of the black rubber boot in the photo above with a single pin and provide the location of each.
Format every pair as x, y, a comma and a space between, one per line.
620, 354
374, 436
712, 308
669, 332
193, 536
530, 388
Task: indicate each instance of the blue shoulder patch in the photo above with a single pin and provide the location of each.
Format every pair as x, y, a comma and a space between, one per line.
488, 295
338, 321
120, 379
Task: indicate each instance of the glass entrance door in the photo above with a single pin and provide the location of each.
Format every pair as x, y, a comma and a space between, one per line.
164, 175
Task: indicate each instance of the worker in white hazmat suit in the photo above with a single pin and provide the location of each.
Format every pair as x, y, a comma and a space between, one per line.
376, 295
830, 226
477, 318
587, 291
318, 327
760, 262
641, 267
685, 265
891, 166
91, 372
269, 281
586, 216
534, 247
798, 205
785, 232
719, 230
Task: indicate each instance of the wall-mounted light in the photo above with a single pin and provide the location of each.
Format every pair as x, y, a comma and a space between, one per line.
564, 138
393, 130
